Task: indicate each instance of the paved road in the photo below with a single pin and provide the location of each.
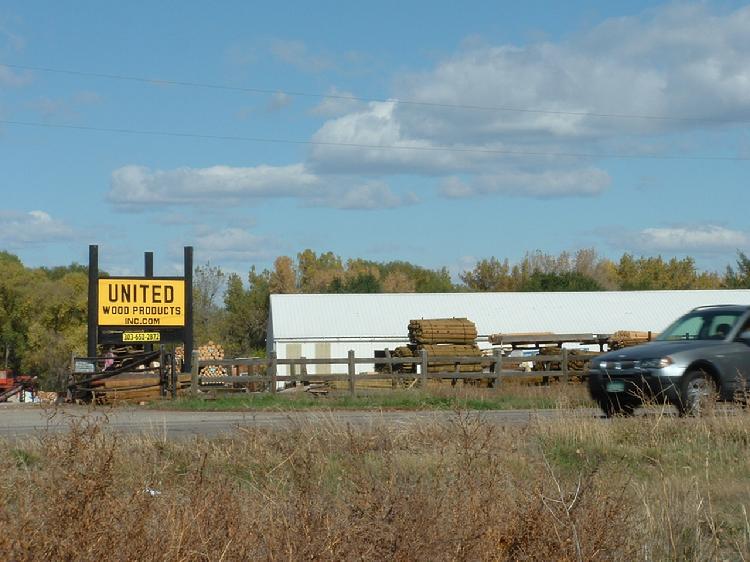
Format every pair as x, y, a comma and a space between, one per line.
24, 420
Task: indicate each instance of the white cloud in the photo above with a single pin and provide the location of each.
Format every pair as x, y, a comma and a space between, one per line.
547, 184
682, 68
338, 102
279, 101
135, 186
297, 54
34, 227
377, 126
705, 238
234, 244
10, 77
369, 195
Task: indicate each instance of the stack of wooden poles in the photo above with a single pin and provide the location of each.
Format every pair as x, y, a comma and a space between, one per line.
627, 338
211, 352
441, 337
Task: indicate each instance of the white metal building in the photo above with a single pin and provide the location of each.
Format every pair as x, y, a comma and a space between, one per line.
329, 325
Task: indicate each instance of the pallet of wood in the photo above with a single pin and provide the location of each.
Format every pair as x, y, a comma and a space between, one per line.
442, 330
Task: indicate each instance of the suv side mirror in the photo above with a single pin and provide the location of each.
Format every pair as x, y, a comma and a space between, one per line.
744, 337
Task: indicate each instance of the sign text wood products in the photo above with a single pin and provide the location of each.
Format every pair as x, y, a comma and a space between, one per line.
141, 302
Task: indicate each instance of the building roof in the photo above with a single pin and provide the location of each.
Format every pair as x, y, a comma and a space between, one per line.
387, 315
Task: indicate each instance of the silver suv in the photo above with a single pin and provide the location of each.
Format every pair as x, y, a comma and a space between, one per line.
702, 357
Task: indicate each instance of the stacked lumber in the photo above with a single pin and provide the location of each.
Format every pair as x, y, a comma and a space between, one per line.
497, 339
405, 351
628, 338
451, 350
134, 387
442, 330
574, 364
211, 352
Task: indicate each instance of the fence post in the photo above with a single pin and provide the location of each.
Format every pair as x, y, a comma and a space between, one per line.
497, 366
194, 375
293, 372
352, 371
564, 364
390, 367
271, 371
423, 369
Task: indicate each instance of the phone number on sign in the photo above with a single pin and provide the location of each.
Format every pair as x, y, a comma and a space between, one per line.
141, 336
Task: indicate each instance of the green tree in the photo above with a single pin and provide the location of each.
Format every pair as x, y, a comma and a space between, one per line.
489, 275
738, 278
566, 281
208, 282
246, 313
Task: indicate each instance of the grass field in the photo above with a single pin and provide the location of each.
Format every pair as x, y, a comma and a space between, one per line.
438, 397
654, 487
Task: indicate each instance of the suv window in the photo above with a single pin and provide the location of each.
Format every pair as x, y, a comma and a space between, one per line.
701, 325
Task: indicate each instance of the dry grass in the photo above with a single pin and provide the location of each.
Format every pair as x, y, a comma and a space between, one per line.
651, 488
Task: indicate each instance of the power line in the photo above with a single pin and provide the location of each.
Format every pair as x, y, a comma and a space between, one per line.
402, 101
269, 140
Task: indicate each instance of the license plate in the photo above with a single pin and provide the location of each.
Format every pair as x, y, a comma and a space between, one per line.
615, 386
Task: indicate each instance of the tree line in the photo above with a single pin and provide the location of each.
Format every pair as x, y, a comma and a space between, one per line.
43, 311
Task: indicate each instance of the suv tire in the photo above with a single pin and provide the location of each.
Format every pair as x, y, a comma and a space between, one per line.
698, 393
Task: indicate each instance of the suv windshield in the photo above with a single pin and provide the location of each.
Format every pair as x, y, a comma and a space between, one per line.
701, 325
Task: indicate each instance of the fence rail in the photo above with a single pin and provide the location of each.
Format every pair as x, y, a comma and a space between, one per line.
496, 367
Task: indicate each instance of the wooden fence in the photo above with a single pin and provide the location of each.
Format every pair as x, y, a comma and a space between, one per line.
495, 368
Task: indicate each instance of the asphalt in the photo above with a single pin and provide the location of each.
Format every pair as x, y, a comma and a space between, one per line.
29, 420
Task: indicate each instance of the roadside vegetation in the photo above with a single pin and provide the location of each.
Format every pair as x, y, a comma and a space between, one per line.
438, 397
648, 488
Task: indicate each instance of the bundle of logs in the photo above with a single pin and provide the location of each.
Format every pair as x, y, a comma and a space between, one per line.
211, 352
574, 364
134, 387
627, 338
441, 337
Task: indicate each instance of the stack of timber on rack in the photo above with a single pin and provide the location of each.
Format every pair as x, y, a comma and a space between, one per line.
441, 337
548, 343
442, 331
405, 351
532, 340
628, 338
573, 363
135, 387
450, 350
211, 352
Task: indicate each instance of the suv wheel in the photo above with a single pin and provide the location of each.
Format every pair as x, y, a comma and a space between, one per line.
698, 393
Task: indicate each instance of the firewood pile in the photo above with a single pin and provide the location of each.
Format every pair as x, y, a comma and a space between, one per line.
211, 352
628, 338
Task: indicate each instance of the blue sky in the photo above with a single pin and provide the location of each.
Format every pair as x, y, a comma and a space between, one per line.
420, 131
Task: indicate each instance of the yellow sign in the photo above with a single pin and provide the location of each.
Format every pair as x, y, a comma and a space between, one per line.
141, 336
142, 302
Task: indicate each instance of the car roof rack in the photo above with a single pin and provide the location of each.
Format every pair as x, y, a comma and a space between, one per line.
705, 306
